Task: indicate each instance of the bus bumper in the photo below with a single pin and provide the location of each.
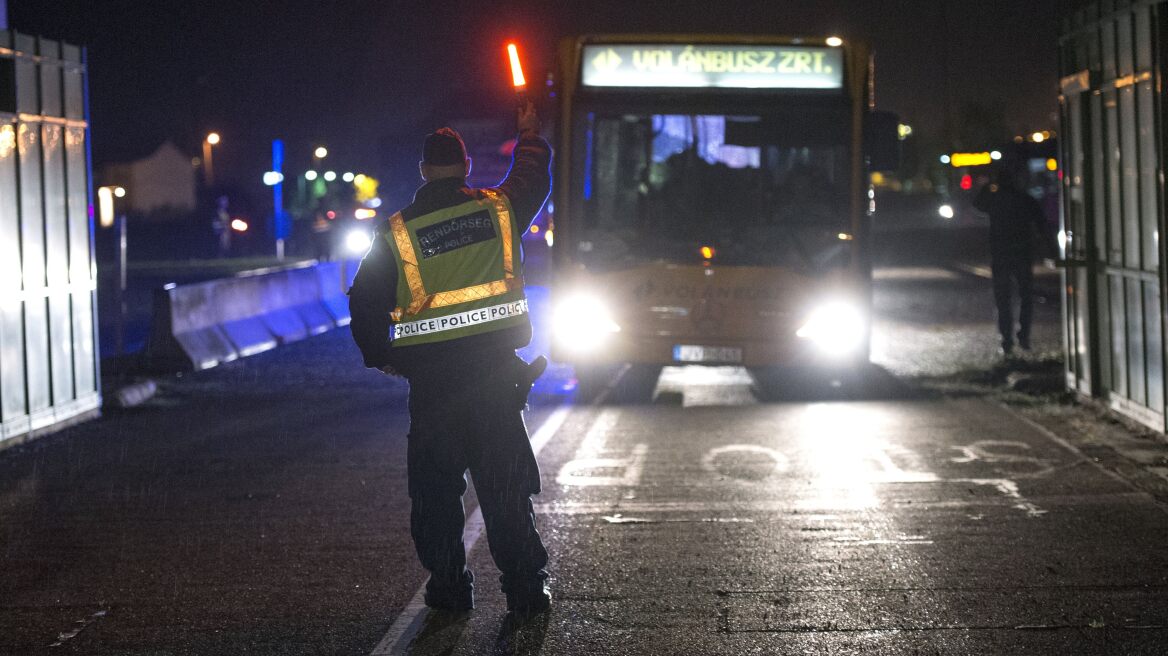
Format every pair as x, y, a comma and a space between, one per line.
795, 352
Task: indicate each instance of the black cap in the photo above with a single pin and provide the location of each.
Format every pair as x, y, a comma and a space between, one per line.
443, 148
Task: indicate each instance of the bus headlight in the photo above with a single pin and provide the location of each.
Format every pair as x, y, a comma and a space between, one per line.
836, 327
583, 323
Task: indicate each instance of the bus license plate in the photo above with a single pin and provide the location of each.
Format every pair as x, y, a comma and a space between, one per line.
691, 353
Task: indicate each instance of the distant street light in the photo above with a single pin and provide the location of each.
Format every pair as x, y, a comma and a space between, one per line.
105, 204
348, 176
273, 178
107, 218
321, 152
329, 176
310, 175
208, 167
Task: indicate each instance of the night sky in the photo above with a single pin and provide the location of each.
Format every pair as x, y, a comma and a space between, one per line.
369, 77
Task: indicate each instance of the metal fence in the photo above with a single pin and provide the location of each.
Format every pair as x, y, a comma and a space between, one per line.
1111, 59
48, 355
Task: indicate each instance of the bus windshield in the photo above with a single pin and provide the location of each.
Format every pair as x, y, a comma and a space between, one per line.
757, 189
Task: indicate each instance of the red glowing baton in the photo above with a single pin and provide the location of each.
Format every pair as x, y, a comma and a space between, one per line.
516, 68
517, 79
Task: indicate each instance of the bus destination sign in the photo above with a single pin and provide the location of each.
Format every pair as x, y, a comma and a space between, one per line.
713, 66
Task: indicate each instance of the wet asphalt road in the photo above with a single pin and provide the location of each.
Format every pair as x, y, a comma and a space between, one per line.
260, 508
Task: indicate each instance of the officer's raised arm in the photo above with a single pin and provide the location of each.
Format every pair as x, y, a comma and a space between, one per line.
529, 181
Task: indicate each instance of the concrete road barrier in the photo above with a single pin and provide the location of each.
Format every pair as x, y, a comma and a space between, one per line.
201, 325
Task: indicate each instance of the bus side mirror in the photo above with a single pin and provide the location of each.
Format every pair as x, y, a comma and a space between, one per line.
882, 141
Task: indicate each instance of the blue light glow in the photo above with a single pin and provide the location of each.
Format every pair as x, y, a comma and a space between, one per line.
588, 157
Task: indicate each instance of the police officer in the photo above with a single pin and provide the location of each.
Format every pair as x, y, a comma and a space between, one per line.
439, 299
1017, 225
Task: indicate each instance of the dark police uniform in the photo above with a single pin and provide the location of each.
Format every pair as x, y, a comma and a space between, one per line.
439, 299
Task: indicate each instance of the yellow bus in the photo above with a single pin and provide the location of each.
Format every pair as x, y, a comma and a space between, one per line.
712, 200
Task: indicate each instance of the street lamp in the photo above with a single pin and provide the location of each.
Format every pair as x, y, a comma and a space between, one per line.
105, 204
107, 218
208, 168
321, 152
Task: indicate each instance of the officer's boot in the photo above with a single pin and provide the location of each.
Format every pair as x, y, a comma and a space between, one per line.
528, 373
528, 600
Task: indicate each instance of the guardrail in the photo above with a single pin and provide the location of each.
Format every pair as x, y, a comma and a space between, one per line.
202, 325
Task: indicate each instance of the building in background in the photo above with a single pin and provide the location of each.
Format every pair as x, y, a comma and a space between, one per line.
160, 184
1111, 58
48, 354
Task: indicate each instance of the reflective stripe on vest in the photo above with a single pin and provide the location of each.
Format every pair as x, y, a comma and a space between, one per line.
420, 300
460, 320
457, 272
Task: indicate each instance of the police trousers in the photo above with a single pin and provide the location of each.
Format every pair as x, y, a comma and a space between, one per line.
466, 419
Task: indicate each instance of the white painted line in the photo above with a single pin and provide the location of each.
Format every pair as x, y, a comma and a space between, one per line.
405, 628
549, 427
1009, 489
779, 461
1082, 457
604, 394
596, 439
66, 636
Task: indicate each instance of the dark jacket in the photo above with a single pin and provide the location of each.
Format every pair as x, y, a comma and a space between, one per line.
373, 295
1017, 223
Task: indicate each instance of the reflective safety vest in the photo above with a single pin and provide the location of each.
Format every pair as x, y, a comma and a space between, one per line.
458, 273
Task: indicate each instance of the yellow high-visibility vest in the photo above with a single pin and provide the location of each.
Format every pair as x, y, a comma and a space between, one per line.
458, 272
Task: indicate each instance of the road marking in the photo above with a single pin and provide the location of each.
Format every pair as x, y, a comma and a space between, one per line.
991, 451
900, 539
1054, 437
1009, 489
593, 456
66, 636
596, 439
549, 427
913, 273
618, 518
405, 628
779, 462
594, 445
785, 508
